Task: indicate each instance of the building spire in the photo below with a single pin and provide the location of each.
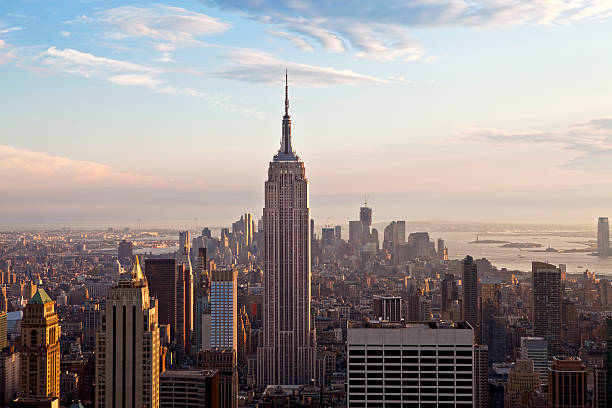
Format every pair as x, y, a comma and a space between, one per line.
286, 153
286, 93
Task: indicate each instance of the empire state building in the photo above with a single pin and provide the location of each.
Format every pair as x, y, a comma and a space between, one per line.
287, 354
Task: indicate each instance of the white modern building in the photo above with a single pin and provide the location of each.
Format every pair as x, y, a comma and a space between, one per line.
410, 364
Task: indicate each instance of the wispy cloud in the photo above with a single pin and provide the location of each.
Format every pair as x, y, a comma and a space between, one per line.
121, 72
591, 140
371, 30
258, 66
28, 170
296, 40
168, 27
6, 52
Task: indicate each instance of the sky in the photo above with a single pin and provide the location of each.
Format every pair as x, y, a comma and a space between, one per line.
169, 112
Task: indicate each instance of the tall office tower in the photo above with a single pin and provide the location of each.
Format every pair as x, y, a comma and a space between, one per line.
394, 235
365, 216
10, 369
470, 292
567, 383
125, 250
222, 354
91, 322
288, 349
40, 348
187, 286
189, 389
449, 291
338, 232
3, 330
224, 309
184, 309
356, 234
162, 277
430, 364
481, 377
599, 387
201, 293
128, 348
609, 358
249, 226
603, 237
547, 305
522, 379
3, 300
327, 236
536, 349
388, 308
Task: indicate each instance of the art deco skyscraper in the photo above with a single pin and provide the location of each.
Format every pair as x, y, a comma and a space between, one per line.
287, 353
40, 348
127, 349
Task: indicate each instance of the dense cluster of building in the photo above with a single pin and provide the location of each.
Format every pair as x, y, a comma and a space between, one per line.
269, 313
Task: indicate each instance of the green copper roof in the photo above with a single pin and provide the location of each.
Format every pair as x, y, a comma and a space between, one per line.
40, 298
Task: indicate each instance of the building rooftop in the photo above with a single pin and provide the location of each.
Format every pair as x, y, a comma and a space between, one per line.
374, 324
40, 298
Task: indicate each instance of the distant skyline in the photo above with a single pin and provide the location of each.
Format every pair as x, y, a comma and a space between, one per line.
438, 110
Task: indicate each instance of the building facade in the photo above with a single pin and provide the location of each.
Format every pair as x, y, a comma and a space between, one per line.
127, 348
547, 305
567, 383
414, 364
288, 349
189, 389
470, 292
40, 348
603, 237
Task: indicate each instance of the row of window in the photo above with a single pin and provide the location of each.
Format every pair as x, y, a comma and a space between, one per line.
410, 352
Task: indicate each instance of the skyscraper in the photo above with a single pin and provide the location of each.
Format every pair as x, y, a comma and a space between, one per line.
603, 237
222, 355
184, 295
287, 352
40, 348
567, 383
547, 305
470, 292
481, 376
536, 349
522, 379
162, 276
224, 309
127, 349
609, 358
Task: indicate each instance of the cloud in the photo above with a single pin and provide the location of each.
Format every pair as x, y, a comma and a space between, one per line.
88, 65
258, 66
297, 41
5, 52
29, 170
591, 140
370, 30
168, 26
121, 72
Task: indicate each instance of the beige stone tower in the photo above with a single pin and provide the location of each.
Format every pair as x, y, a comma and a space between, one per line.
40, 355
287, 352
127, 349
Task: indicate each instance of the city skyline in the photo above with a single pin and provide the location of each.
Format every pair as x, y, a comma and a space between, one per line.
120, 92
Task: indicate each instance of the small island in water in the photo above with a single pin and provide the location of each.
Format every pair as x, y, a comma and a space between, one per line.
521, 245
486, 241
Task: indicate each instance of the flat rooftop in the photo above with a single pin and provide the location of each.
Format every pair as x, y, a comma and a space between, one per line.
375, 324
